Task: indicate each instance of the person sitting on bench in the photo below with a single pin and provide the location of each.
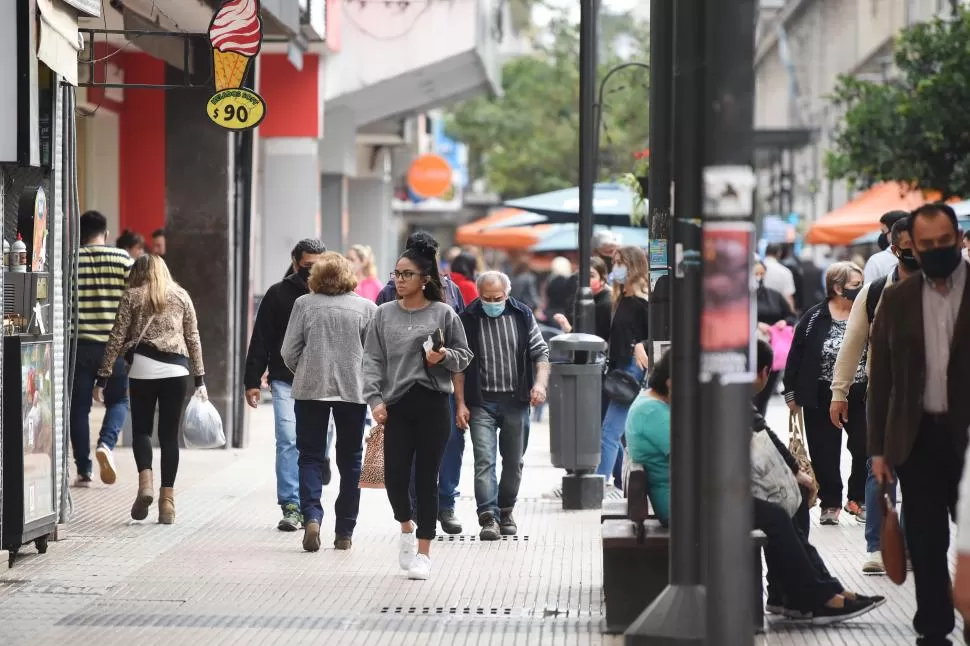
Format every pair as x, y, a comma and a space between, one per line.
799, 584
648, 436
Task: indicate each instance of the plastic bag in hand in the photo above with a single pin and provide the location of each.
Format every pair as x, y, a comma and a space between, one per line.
202, 427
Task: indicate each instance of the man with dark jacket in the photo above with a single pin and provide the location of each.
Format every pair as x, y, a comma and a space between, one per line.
264, 353
508, 373
449, 474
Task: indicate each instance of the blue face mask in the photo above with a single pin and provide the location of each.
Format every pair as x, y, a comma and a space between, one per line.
619, 274
494, 309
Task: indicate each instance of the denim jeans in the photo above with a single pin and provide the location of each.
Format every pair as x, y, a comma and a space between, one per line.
449, 474
498, 425
312, 423
287, 455
874, 509
89, 355
614, 424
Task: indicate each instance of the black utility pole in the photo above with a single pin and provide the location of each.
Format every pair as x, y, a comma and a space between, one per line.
588, 10
661, 136
677, 616
728, 363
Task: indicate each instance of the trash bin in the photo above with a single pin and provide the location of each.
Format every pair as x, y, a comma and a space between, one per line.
574, 402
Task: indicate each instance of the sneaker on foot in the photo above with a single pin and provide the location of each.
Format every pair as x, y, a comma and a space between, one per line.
311, 536
342, 543
291, 518
857, 510
490, 528
507, 524
826, 615
106, 464
407, 550
420, 569
449, 522
82, 480
830, 516
873, 564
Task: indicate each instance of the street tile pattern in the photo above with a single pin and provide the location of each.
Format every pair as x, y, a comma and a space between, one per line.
224, 575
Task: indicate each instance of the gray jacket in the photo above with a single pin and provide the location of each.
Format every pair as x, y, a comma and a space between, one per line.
324, 346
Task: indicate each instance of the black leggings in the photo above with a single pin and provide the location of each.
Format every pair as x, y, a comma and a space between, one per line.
825, 446
169, 395
417, 430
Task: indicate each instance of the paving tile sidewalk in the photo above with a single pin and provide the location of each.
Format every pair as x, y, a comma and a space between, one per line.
224, 575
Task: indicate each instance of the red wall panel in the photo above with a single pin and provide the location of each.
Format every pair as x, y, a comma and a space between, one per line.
292, 96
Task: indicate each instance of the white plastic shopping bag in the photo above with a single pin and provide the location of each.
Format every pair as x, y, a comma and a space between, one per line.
202, 426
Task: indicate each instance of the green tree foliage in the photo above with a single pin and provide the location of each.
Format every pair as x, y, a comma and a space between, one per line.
915, 128
526, 141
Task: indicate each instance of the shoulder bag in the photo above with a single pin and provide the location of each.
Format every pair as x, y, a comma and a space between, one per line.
621, 387
892, 544
796, 445
130, 353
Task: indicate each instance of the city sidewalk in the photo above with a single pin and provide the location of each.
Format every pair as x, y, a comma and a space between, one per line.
224, 575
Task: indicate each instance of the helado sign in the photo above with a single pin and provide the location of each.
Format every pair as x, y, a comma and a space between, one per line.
236, 35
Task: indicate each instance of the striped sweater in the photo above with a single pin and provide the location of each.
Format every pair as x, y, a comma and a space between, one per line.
102, 276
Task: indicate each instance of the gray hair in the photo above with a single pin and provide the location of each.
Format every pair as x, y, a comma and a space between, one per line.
489, 276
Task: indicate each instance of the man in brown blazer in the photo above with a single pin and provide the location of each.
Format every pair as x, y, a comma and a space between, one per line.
918, 406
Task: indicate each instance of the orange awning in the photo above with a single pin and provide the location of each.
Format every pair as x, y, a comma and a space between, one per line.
476, 233
861, 215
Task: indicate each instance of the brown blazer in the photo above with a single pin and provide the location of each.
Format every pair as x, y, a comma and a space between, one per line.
897, 372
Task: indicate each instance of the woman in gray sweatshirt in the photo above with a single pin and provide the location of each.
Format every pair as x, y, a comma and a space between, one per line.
324, 347
407, 380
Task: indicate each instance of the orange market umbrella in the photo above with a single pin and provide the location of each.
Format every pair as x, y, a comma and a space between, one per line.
861, 215
479, 234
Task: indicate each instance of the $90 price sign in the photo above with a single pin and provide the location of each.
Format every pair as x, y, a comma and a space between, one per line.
236, 109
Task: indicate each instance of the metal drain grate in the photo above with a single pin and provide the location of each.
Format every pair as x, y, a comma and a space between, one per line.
23, 586
471, 538
441, 610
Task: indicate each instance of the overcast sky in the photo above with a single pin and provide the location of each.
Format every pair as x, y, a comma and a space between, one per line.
541, 13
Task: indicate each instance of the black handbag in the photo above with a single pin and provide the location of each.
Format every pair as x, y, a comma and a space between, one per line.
621, 387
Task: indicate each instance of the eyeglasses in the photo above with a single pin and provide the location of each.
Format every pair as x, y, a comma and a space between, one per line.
404, 275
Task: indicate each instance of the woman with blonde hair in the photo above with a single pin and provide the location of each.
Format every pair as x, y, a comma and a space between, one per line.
361, 258
559, 289
157, 332
629, 332
324, 347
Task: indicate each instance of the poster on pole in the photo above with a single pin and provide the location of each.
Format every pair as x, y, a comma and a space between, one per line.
728, 315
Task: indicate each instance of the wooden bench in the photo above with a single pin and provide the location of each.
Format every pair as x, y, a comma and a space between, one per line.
636, 561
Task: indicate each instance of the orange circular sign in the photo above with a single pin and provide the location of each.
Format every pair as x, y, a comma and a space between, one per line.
429, 176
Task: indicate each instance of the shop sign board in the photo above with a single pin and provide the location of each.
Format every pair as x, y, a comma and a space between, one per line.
236, 36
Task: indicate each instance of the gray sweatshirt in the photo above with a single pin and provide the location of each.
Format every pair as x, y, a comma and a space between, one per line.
394, 356
324, 346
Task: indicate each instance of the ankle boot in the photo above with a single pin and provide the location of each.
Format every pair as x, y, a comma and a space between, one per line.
166, 505
145, 496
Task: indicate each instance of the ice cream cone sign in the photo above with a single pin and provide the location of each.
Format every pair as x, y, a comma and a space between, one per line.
236, 34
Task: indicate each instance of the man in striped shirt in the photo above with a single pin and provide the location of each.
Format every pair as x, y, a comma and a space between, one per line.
101, 277
509, 372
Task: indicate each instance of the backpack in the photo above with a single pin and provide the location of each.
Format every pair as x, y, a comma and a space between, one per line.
875, 293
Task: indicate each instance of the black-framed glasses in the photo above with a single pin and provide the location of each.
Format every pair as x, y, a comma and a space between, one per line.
404, 275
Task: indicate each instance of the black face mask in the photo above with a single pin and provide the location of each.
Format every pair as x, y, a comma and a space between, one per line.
304, 273
883, 241
851, 293
908, 260
940, 262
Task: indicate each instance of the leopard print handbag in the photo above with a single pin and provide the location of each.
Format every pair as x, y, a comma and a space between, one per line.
372, 470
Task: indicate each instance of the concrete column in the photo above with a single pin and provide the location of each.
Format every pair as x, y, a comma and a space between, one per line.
201, 235
338, 147
291, 203
334, 204
372, 221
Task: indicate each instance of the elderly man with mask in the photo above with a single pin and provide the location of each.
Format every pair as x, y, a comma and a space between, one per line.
509, 372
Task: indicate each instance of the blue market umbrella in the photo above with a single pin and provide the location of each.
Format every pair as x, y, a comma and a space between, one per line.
962, 210
565, 237
612, 204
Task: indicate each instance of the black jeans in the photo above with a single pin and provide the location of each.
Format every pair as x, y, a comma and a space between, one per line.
762, 398
930, 479
797, 576
312, 420
825, 446
416, 432
169, 395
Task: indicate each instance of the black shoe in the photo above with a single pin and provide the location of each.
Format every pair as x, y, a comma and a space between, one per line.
449, 522
825, 615
490, 529
507, 523
326, 472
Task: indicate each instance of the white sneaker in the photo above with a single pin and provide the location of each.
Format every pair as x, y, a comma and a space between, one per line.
106, 465
873, 564
420, 569
408, 549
